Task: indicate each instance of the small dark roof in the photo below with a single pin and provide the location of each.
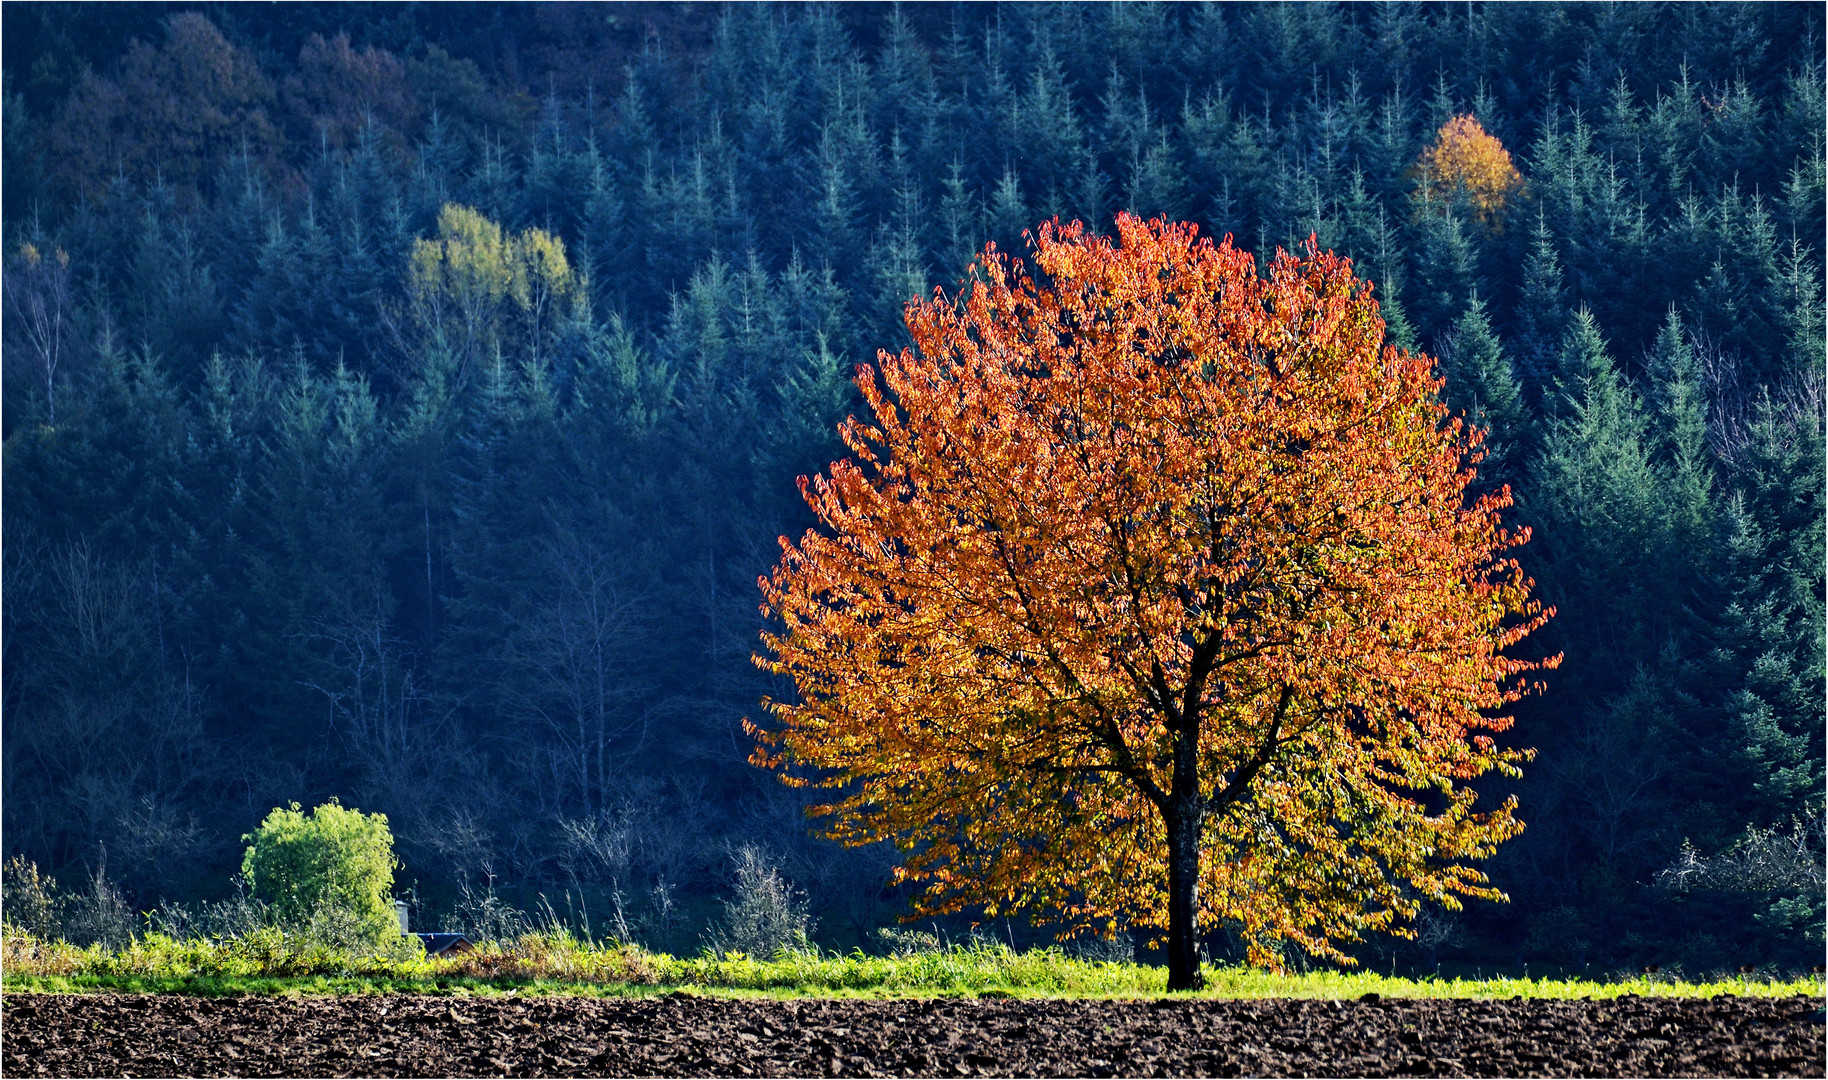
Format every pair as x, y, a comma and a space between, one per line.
439, 944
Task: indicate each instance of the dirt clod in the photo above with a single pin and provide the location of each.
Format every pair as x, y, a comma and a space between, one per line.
114, 1034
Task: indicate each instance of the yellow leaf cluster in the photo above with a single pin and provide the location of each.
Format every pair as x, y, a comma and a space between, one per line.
474, 286
30, 257
475, 264
1465, 160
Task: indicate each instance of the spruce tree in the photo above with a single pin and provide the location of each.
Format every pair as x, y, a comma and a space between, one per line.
833, 225
1800, 303
904, 71
1775, 622
1593, 491
1156, 187
1769, 655
1006, 217
1482, 386
1542, 312
1681, 428
1445, 271
1224, 161
1593, 502
895, 260
1051, 136
958, 236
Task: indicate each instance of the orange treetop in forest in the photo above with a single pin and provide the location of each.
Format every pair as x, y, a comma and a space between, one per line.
1153, 594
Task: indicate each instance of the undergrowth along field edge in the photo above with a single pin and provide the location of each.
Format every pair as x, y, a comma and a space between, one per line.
555, 963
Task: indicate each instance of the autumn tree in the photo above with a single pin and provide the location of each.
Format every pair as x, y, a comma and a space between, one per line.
1465, 161
473, 284
336, 92
176, 113
1154, 590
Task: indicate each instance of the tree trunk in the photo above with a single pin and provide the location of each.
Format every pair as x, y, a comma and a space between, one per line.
1183, 898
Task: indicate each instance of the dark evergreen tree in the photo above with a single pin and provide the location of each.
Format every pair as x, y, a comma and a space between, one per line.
1774, 622
1445, 268
1542, 311
1676, 380
1594, 491
1481, 385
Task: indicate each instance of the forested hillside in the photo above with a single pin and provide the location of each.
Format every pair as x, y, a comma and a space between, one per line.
401, 402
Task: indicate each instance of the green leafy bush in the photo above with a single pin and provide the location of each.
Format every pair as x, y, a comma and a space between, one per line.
329, 872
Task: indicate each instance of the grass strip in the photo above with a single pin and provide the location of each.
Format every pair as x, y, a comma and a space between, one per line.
554, 964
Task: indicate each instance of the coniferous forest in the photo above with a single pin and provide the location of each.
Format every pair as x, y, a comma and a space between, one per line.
401, 401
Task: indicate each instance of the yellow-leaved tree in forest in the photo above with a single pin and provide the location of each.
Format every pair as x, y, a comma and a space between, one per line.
475, 288
1465, 161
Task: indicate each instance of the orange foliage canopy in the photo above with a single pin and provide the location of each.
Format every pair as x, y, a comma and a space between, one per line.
1154, 544
1464, 159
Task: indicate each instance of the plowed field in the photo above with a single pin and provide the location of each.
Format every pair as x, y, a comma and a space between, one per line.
143, 1035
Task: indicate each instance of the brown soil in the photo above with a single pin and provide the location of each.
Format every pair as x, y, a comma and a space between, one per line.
126, 1034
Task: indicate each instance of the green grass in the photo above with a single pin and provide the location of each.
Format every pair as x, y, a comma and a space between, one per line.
547, 964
